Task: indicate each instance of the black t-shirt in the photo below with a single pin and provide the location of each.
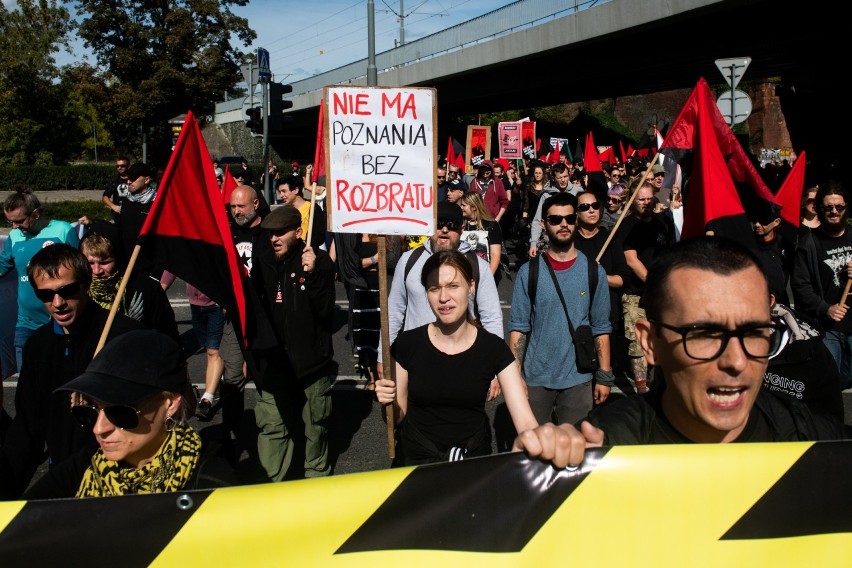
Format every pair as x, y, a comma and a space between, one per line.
446, 393
834, 254
648, 239
480, 241
641, 420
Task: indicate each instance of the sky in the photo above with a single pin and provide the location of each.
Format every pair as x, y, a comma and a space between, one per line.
307, 38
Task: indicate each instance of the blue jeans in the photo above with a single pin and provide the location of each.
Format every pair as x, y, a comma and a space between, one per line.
208, 322
21, 336
840, 345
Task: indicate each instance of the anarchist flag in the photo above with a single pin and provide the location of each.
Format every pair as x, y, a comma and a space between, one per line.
720, 184
789, 196
595, 178
187, 230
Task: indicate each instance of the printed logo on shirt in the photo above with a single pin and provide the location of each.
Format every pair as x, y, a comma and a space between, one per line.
837, 260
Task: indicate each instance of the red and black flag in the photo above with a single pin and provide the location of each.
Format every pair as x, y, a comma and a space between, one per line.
455, 153
595, 178
228, 186
187, 230
789, 196
721, 186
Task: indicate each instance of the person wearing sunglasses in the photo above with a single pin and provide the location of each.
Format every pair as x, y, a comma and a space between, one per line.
58, 351
709, 335
822, 271
539, 322
115, 189
31, 232
590, 239
407, 304
133, 397
614, 205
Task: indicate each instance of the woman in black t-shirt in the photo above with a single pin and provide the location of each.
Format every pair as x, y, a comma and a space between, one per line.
443, 371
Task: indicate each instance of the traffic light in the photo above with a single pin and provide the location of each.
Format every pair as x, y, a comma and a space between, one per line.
277, 106
254, 120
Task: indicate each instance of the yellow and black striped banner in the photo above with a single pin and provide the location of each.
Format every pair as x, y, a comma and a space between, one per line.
725, 505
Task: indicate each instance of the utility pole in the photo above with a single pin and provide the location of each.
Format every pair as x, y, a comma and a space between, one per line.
372, 73
401, 23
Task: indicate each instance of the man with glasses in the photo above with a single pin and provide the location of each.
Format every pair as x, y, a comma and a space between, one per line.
538, 322
710, 335
59, 351
407, 304
645, 235
822, 274
441, 191
116, 189
31, 232
560, 183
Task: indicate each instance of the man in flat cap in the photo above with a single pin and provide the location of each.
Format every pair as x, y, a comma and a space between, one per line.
296, 288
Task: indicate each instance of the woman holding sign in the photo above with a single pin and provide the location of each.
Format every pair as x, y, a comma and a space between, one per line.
443, 372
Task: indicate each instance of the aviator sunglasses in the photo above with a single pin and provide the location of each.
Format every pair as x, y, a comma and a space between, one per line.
121, 416
583, 207
46, 295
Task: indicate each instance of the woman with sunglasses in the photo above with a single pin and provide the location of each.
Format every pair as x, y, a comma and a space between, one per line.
590, 238
134, 397
443, 373
615, 197
808, 210
482, 232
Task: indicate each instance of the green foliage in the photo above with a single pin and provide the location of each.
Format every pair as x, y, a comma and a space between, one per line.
32, 109
160, 59
51, 178
72, 210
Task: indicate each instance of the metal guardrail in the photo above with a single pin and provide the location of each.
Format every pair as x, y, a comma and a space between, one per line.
508, 19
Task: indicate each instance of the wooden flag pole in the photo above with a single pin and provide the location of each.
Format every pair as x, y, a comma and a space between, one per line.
626, 208
842, 301
387, 366
118, 295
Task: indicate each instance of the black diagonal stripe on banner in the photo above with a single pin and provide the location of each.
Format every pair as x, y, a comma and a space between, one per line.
461, 506
105, 531
812, 497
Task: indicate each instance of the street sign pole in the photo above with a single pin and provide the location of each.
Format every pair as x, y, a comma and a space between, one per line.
265, 75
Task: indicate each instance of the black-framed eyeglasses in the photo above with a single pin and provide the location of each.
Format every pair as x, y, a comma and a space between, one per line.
121, 416
586, 206
705, 343
69, 290
556, 220
449, 225
829, 208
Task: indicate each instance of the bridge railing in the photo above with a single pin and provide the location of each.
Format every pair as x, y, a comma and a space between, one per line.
508, 19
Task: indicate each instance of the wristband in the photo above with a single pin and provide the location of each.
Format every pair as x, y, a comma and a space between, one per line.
604, 378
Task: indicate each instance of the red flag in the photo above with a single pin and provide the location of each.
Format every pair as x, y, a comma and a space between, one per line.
622, 152
319, 153
553, 158
790, 194
630, 150
451, 153
590, 155
187, 230
607, 155
700, 129
228, 185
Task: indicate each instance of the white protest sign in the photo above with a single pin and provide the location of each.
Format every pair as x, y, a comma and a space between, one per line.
380, 152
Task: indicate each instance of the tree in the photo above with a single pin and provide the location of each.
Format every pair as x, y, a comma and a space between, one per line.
32, 108
162, 59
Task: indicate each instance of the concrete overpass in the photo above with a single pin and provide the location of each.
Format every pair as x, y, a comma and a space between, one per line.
543, 52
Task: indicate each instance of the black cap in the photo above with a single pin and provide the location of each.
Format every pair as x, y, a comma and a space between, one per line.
450, 212
455, 184
131, 367
139, 170
282, 218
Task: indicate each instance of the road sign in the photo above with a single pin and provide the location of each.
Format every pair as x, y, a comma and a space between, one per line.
733, 69
735, 106
249, 74
263, 64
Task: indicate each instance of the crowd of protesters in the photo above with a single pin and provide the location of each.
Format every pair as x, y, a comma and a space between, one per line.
594, 272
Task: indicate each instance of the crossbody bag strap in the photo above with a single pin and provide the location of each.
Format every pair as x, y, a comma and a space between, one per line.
559, 292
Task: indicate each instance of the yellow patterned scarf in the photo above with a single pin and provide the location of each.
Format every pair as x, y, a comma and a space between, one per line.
102, 290
169, 471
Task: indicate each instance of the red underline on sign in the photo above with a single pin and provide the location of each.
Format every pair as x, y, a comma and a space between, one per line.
406, 219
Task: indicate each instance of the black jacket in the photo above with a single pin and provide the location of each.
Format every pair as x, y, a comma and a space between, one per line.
51, 359
640, 420
301, 322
